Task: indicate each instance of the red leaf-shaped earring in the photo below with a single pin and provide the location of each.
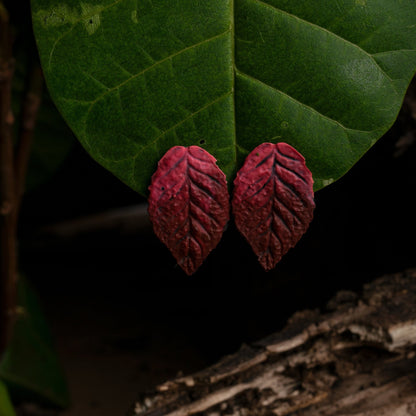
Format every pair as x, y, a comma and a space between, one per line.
273, 200
189, 204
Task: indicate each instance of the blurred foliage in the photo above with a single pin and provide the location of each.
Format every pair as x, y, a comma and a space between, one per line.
30, 367
6, 407
53, 139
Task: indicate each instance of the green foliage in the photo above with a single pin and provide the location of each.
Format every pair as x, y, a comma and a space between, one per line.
30, 367
134, 78
6, 408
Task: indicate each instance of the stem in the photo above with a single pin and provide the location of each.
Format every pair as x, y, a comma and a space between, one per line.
8, 267
30, 110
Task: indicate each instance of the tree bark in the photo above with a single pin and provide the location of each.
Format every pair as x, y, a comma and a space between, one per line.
357, 358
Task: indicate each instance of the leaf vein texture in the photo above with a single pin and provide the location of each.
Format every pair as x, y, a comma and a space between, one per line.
75, 22
307, 107
273, 219
157, 63
194, 211
327, 31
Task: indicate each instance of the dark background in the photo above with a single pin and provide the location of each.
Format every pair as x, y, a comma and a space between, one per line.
125, 317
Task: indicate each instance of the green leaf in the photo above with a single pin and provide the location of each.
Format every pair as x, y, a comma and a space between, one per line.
30, 367
6, 407
134, 78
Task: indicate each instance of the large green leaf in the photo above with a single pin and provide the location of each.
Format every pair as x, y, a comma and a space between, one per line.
30, 367
6, 407
133, 78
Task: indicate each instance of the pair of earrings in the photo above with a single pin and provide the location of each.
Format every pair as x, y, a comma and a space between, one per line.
272, 202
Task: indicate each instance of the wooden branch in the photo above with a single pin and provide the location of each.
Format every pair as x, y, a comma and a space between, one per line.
359, 358
8, 273
131, 219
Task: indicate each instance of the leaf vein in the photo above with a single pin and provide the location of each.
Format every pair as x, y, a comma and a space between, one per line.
75, 22
155, 140
155, 65
330, 33
306, 106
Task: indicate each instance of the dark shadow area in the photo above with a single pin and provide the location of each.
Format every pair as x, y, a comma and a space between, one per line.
116, 294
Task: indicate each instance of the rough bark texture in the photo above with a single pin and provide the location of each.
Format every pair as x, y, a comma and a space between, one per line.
358, 358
